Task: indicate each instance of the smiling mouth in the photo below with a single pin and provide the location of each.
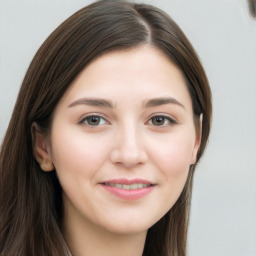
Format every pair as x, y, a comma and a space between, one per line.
128, 187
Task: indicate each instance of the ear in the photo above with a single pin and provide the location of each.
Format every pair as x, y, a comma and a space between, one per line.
198, 140
41, 148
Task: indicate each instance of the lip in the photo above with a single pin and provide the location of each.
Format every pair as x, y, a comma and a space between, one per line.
128, 194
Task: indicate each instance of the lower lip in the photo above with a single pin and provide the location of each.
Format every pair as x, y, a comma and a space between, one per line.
132, 194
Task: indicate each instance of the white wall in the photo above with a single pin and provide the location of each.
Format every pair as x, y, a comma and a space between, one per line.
223, 220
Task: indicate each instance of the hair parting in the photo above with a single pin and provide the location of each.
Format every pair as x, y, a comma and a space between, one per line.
30, 199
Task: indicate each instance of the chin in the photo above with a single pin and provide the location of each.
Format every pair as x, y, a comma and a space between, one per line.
130, 226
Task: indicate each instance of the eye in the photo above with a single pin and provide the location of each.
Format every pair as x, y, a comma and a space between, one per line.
94, 120
161, 121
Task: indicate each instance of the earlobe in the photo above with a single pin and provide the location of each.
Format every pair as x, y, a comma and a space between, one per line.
198, 140
41, 148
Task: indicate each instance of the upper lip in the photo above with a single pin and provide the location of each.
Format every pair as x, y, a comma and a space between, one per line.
125, 181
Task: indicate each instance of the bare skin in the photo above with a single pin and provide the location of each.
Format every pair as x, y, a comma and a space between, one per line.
122, 141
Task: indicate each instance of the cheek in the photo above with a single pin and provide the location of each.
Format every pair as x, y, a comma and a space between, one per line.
173, 156
75, 152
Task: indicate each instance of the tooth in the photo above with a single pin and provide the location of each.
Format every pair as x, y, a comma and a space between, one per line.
140, 185
126, 187
134, 186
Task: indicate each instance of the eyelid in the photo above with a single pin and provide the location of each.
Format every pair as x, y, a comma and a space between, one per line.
170, 118
84, 117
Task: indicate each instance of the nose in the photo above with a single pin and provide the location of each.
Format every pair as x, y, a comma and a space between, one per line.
128, 148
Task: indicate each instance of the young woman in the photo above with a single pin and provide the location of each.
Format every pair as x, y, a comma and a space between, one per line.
112, 117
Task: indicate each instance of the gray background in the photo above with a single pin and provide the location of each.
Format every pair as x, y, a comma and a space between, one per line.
223, 217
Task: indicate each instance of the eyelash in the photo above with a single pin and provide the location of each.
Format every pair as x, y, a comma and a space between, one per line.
85, 119
168, 119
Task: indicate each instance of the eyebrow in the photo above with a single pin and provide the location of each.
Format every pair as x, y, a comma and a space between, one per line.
95, 102
92, 102
162, 101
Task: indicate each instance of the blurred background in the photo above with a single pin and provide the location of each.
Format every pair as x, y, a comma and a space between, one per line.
223, 216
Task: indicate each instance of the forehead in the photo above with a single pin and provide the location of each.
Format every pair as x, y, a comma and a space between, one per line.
138, 74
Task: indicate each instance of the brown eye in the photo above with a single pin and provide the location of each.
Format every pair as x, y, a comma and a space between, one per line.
158, 120
161, 121
94, 121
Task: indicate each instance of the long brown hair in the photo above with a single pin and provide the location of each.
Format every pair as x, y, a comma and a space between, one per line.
31, 200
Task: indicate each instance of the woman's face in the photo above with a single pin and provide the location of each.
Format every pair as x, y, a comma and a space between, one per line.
122, 141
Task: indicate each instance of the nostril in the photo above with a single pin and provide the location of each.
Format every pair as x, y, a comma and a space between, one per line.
128, 158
